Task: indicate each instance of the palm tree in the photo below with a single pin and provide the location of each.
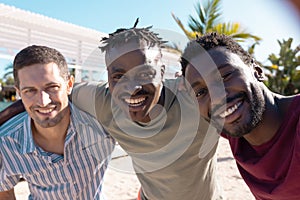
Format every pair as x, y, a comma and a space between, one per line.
208, 20
9, 69
284, 73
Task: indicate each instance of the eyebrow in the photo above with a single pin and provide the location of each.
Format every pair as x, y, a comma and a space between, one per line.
219, 68
215, 71
194, 84
26, 88
116, 69
48, 84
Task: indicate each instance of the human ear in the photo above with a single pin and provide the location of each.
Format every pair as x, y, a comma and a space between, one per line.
163, 67
259, 74
70, 84
17, 90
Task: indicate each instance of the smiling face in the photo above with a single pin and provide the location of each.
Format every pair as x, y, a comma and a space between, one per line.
227, 91
135, 82
44, 94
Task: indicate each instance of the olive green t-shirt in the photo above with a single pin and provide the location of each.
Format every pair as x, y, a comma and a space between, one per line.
165, 151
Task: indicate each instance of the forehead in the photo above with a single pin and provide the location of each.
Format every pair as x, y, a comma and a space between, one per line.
119, 50
209, 63
136, 59
39, 73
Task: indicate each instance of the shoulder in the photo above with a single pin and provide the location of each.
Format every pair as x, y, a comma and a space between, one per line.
172, 84
80, 116
84, 121
288, 103
88, 88
89, 95
14, 124
89, 129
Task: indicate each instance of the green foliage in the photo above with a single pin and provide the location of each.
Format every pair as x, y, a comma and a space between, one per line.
208, 20
207, 17
9, 70
7, 78
10, 81
284, 73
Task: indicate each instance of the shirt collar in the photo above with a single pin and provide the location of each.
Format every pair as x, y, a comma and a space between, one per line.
28, 145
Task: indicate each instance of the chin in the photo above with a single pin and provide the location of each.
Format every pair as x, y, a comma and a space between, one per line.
137, 117
238, 131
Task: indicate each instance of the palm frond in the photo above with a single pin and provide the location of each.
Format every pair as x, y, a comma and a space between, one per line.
195, 25
213, 14
7, 74
245, 36
9, 67
189, 34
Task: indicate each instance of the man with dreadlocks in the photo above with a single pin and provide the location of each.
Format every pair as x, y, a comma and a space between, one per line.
152, 121
263, 128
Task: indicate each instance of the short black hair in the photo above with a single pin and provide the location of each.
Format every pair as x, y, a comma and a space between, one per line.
210, 41
123, 35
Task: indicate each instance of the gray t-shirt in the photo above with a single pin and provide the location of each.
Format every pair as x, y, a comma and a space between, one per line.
165, 151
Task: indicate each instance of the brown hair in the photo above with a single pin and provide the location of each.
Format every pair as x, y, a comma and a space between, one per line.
39, 55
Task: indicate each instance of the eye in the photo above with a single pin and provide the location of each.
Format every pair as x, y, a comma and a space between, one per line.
53, 88
201, 92
227, 75
146, 75
117, 76
29, 92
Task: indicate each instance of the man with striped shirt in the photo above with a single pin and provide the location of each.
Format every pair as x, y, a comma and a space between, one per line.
61, 151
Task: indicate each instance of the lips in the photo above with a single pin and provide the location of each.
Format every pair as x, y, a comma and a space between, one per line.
230, 110
45, 110
135, 102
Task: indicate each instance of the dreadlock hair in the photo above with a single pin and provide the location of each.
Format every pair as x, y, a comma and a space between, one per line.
210, 41
122, 36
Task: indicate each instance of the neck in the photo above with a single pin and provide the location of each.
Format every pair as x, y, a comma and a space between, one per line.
52, 139
157, 109
271, 120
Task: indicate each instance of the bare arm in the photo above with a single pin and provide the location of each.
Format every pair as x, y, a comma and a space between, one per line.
8, 195
12, 110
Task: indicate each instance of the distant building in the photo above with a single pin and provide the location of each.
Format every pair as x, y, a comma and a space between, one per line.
20, 28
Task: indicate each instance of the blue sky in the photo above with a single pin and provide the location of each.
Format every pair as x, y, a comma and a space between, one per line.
269, 19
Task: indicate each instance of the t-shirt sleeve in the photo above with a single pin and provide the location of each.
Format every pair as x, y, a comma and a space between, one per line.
83, 96
7, 182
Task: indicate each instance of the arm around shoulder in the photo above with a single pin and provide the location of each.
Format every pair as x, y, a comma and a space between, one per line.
83, 96
12, 110
8, 195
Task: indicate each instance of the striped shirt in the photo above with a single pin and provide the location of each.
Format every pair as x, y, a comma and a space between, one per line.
78, 174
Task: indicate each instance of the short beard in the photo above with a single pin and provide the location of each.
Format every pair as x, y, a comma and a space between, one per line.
257, 109
48, 123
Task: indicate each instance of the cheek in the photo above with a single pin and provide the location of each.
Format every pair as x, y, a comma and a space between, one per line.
26, 103
59, 96
203, 109
204, 106
156, 87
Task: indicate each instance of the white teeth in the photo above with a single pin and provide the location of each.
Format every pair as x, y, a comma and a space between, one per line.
135, 101
46, 111
230, 110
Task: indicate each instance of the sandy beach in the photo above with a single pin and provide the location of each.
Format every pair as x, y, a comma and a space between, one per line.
124, 186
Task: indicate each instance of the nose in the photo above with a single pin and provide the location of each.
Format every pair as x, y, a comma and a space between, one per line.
132, 87
43, 99
218, 94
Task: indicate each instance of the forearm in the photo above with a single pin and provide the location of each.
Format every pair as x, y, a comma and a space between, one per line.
8, 195
12, 110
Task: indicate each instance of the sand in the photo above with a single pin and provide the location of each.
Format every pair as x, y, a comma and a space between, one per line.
124, 186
